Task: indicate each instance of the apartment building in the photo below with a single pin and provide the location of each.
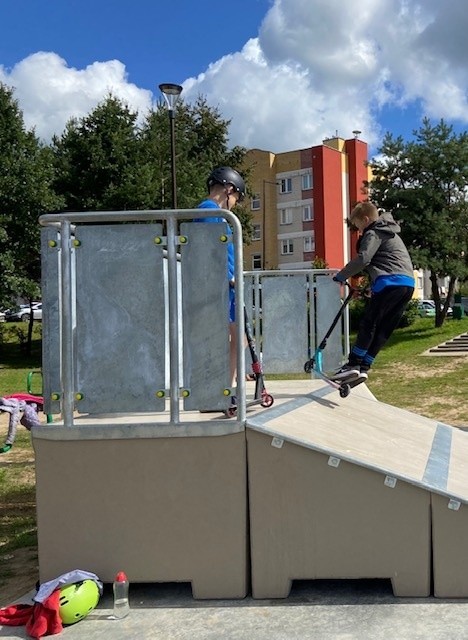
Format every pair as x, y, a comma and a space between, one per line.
301, 201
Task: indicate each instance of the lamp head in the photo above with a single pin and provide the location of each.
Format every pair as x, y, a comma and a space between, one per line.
171, 93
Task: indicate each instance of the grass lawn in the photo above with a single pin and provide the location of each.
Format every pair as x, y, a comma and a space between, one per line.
18, 534
434, 386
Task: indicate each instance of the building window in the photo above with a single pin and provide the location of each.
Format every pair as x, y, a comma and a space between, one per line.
255, 202
256, 261
287, 247
306, 181
286, 216
286, 185
307, 213
257, 232
309, 244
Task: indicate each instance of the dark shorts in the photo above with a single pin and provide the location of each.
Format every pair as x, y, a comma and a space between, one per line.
232, 304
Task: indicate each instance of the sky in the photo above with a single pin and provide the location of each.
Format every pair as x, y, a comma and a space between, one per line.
286, 73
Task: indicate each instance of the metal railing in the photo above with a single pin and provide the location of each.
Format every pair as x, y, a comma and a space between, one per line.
65, 223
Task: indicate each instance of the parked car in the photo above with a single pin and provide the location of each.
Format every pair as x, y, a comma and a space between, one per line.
426, 308
22, 313
449, 309
2, 316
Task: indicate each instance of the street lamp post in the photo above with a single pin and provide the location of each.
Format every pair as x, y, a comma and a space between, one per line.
264, 261
171, 93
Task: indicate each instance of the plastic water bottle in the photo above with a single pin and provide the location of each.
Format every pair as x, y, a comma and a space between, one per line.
121, 604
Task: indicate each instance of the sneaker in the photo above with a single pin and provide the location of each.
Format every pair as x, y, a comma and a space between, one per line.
346, 372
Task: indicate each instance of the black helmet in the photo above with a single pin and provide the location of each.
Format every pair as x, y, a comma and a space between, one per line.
226, 175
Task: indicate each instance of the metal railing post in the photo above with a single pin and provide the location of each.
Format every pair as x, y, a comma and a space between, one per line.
66, 347
173, 319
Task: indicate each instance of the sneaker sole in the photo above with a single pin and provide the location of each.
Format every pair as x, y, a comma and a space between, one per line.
349, 375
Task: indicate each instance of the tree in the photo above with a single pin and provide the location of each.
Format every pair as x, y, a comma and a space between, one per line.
26, 173
424, 183
201, 143
97, 161
106, 161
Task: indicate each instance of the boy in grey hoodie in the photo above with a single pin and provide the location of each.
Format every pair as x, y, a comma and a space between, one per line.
383, 255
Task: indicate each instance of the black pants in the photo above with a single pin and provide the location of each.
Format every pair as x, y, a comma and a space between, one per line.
381, 317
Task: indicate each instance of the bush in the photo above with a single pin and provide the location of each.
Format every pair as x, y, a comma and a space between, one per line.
356, 309
410, 315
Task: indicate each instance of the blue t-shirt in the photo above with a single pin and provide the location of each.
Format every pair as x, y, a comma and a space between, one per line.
392, 280
210, 204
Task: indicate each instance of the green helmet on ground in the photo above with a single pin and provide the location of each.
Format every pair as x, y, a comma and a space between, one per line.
77, 600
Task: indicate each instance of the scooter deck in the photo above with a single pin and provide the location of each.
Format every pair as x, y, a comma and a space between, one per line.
343, 386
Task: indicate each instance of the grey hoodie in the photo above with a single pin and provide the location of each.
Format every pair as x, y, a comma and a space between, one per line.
381, 252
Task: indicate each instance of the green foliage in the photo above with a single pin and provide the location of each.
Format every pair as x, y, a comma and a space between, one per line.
319, 263
424, 184
201, 143
357, 307
411, 314
16, 360
26, 173
105, 161
97, 161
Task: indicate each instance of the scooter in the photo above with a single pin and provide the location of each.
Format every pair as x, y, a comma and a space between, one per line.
261, 396
315, 363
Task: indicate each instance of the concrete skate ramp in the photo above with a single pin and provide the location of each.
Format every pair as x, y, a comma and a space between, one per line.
355, 488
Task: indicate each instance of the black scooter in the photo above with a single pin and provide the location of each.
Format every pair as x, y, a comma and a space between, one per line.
261, 396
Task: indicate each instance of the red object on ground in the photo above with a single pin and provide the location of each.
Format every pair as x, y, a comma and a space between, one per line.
40, 619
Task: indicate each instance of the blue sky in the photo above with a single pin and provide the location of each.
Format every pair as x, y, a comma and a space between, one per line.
288, 73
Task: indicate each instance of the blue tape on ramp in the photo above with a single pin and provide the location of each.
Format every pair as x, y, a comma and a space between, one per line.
438, 462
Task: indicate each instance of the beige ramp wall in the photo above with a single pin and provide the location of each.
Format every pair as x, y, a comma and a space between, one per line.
312, 520
160, 509
450, 524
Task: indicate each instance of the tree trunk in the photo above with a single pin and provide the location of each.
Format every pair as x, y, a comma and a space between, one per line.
441, 311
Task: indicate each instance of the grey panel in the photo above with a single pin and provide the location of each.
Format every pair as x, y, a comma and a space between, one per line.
284, 323
205, 300
50, 255
327, 306
120, 332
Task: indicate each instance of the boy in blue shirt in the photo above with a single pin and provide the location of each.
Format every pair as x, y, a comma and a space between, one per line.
226, 189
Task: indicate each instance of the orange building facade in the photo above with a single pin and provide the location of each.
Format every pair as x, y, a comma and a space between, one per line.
301, 202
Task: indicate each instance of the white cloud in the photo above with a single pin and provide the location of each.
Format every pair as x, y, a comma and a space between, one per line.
317, 67
324, 66
50, 93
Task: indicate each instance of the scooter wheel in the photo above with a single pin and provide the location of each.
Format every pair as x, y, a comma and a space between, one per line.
231, 412
309, 366
345, 390
267, 400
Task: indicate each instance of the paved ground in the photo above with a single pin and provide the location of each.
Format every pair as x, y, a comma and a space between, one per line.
315, 610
